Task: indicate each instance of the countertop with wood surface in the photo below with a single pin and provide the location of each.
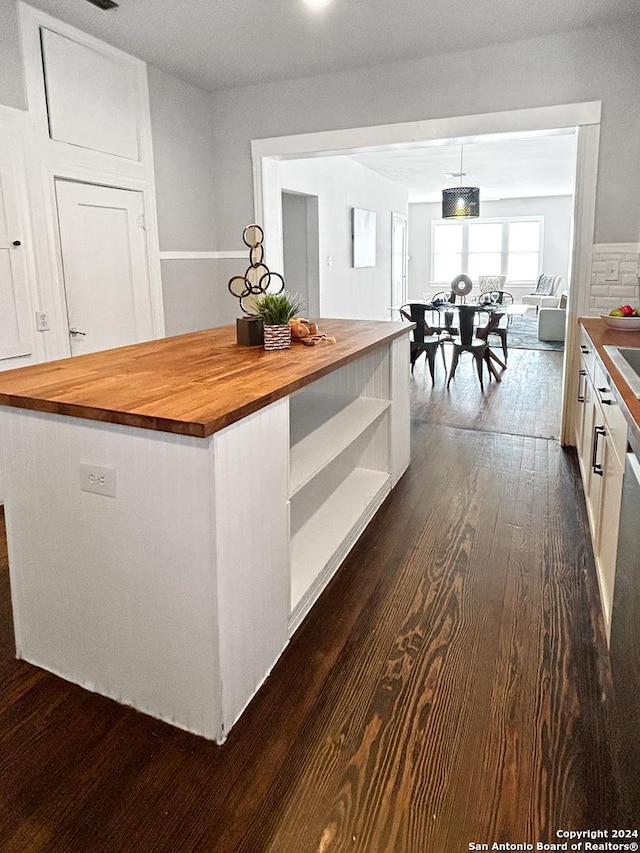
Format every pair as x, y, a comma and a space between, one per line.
167, 567
602, 336
193, 384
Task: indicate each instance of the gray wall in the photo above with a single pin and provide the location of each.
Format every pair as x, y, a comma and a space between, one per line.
195, 294
195, 291
184, 158
11, 76
295, 244
565, 68
202, 140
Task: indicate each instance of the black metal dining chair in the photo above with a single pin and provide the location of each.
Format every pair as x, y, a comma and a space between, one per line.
425, 339
504, 298
474, 340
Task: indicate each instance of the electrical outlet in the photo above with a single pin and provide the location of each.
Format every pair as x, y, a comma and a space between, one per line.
99, 480
42, 321
329, 260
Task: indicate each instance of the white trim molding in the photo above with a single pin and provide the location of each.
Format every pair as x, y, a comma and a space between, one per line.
49, 160
204, 256
584, 214
454, 129
584, 117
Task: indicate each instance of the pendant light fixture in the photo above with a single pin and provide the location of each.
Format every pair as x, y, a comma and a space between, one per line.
461, 202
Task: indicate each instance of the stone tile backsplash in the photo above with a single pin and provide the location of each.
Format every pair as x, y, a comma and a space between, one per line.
606, 295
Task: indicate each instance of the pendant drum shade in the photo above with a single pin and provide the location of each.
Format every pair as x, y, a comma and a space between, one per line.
461, 203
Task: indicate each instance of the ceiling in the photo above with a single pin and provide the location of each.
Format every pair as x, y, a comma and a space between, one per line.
520, 167
218, 44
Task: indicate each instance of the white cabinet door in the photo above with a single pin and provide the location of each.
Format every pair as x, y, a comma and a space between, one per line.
608, 523
92, 96
15, 313
104, 259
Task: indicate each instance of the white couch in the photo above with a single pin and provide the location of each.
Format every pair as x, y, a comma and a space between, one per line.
546, 292
552, 321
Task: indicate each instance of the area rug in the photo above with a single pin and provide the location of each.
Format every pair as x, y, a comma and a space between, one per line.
523, 334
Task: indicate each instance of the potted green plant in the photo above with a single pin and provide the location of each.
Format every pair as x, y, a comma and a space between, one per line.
276, 309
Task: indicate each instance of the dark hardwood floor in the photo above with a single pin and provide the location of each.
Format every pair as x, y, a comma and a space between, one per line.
450, 686
526, 402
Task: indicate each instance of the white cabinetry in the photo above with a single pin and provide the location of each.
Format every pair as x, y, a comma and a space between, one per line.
601, 439
177, 594
340, 470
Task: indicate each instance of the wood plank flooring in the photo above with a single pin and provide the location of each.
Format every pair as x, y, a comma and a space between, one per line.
449, 687
526, 402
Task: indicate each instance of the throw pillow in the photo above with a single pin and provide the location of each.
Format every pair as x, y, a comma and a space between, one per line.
487, 283
545, 285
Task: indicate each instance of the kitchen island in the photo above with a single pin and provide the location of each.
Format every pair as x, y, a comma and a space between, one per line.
174, 508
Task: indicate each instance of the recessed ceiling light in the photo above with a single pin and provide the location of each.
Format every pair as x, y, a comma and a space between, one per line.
317, 5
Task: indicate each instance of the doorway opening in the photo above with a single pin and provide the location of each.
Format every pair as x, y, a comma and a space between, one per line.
584, 118
301, 248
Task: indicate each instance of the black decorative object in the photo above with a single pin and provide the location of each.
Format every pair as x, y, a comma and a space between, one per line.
461, 202
257, 280
250, 331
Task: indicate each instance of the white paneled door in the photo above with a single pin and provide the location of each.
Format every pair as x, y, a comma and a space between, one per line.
104, 260
399, 260
15, 313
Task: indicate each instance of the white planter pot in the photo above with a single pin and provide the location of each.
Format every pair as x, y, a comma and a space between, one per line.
277, 337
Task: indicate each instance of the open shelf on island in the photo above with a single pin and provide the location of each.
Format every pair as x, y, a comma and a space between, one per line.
322, 541
322, 425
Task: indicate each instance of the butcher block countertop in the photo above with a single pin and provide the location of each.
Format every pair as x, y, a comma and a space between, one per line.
602, 336
192, 384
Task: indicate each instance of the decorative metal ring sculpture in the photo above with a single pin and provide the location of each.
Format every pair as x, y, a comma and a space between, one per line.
461, 285
258, 278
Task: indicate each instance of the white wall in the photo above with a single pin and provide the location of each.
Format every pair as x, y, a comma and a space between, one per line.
557, 212
340, 184
572, 67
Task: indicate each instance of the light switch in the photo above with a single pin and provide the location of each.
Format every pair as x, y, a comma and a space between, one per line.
613, 271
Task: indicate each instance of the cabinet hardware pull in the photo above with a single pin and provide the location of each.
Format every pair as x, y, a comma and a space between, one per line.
581, 373
17, 243
602, 391
597, 432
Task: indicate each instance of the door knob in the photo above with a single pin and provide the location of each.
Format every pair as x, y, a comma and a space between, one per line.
75, 332
17, 243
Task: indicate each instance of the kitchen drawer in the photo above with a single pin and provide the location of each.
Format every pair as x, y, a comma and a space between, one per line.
588, 352
614, 419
